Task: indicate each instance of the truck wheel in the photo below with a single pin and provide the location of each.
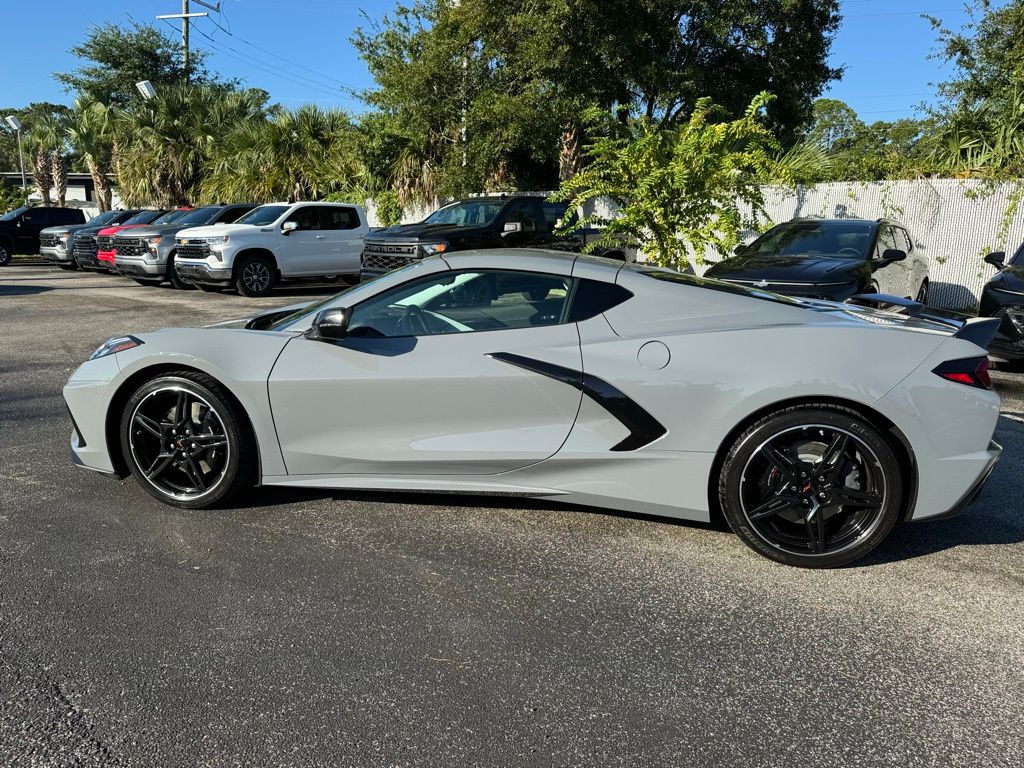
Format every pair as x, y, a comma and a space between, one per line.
5, 253
172, 276
254, 276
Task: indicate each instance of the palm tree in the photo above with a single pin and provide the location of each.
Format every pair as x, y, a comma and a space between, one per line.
90, 131
296, 154
164, 144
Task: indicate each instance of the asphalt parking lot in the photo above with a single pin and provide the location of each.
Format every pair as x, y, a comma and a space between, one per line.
389, 630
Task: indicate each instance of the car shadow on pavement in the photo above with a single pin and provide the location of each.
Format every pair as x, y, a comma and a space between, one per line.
23, 290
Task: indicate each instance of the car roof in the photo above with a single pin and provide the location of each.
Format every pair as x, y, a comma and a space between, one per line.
531, 260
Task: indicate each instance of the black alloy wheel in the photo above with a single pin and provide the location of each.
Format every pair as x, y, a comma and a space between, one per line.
811, 487
5, 253
187, 441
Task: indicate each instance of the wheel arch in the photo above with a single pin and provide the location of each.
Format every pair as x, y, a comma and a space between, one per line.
254, 251
115, 409
890, 431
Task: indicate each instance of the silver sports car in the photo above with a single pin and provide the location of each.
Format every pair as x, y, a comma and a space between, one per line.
812, 427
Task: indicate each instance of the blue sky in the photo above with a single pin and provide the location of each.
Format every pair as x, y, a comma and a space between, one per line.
884, 45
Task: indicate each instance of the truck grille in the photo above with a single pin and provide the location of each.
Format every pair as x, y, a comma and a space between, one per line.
193, 249
48, 241
383, 257
85, 245
104, 242
129, 246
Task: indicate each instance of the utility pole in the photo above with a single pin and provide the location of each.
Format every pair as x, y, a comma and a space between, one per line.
185, 17
15, 123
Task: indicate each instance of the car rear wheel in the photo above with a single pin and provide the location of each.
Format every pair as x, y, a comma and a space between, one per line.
254, 276
811, 486
5, 254
922, 294
187, 441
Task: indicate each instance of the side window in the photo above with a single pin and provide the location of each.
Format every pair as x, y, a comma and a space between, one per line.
37, 218
524, 211
592, 297
886, 240
306, 218
228, 215
554, 213
336, 217
464, 302
908, 241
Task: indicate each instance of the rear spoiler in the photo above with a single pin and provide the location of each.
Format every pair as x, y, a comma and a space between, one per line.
977, 330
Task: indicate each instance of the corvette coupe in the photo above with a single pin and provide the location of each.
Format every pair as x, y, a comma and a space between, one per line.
813, 427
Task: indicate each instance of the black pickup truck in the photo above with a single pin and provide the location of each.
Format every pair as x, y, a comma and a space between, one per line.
515, 221
20, 228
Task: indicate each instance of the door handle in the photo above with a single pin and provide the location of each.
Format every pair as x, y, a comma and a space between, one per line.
320, 237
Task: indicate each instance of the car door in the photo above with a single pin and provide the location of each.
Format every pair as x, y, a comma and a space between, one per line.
303, 250
31, 223
344, 232
528, 214
434, 378
888, 276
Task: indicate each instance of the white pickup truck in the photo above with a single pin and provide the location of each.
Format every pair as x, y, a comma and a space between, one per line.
274, 243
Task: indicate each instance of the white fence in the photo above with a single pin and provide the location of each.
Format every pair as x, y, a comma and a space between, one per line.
954, 223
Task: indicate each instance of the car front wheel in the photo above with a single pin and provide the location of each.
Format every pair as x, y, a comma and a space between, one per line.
187, 441
812, 486
254, 276
5, 254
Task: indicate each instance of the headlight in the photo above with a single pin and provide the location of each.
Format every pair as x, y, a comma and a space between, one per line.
431, 248
115, 345
153, 242
219, 240
1016, 315
63, 236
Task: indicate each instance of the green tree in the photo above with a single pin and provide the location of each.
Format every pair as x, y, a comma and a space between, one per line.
295, 155
682, 190
164, 145
90, 130
117, 57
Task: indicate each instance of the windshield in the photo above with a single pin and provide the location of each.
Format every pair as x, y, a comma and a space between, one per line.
199, 215
172, 216
143, 217
12, 215
468, 212
103, 218
814, 238
265, 214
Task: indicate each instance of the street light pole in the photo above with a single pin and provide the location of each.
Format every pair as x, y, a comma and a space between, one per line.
15, 123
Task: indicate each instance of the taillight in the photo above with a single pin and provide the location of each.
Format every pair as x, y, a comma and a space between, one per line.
972, 371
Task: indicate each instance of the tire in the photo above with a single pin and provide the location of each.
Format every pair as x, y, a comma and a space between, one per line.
6, 252
172, 276
209, 288
922, 293
254, 276
813, 486
220, 463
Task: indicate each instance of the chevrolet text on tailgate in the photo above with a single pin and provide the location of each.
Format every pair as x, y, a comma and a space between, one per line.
273, 243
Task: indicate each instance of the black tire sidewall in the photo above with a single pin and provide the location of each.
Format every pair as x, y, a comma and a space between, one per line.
748, 442
233, 426
172, 276
6, 254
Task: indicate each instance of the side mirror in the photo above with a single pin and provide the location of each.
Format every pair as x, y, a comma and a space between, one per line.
996, 259
510, 227
289, 226
893, 254
331, 324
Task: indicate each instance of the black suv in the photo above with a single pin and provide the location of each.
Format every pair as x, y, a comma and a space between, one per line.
1003, 297
20, 228
517, 221
831, 259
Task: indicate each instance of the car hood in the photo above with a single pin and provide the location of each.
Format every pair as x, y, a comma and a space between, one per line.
421, 231
1010, 278
216, 230
63, 228
795, 269
119, 228
260, 320
148, 230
